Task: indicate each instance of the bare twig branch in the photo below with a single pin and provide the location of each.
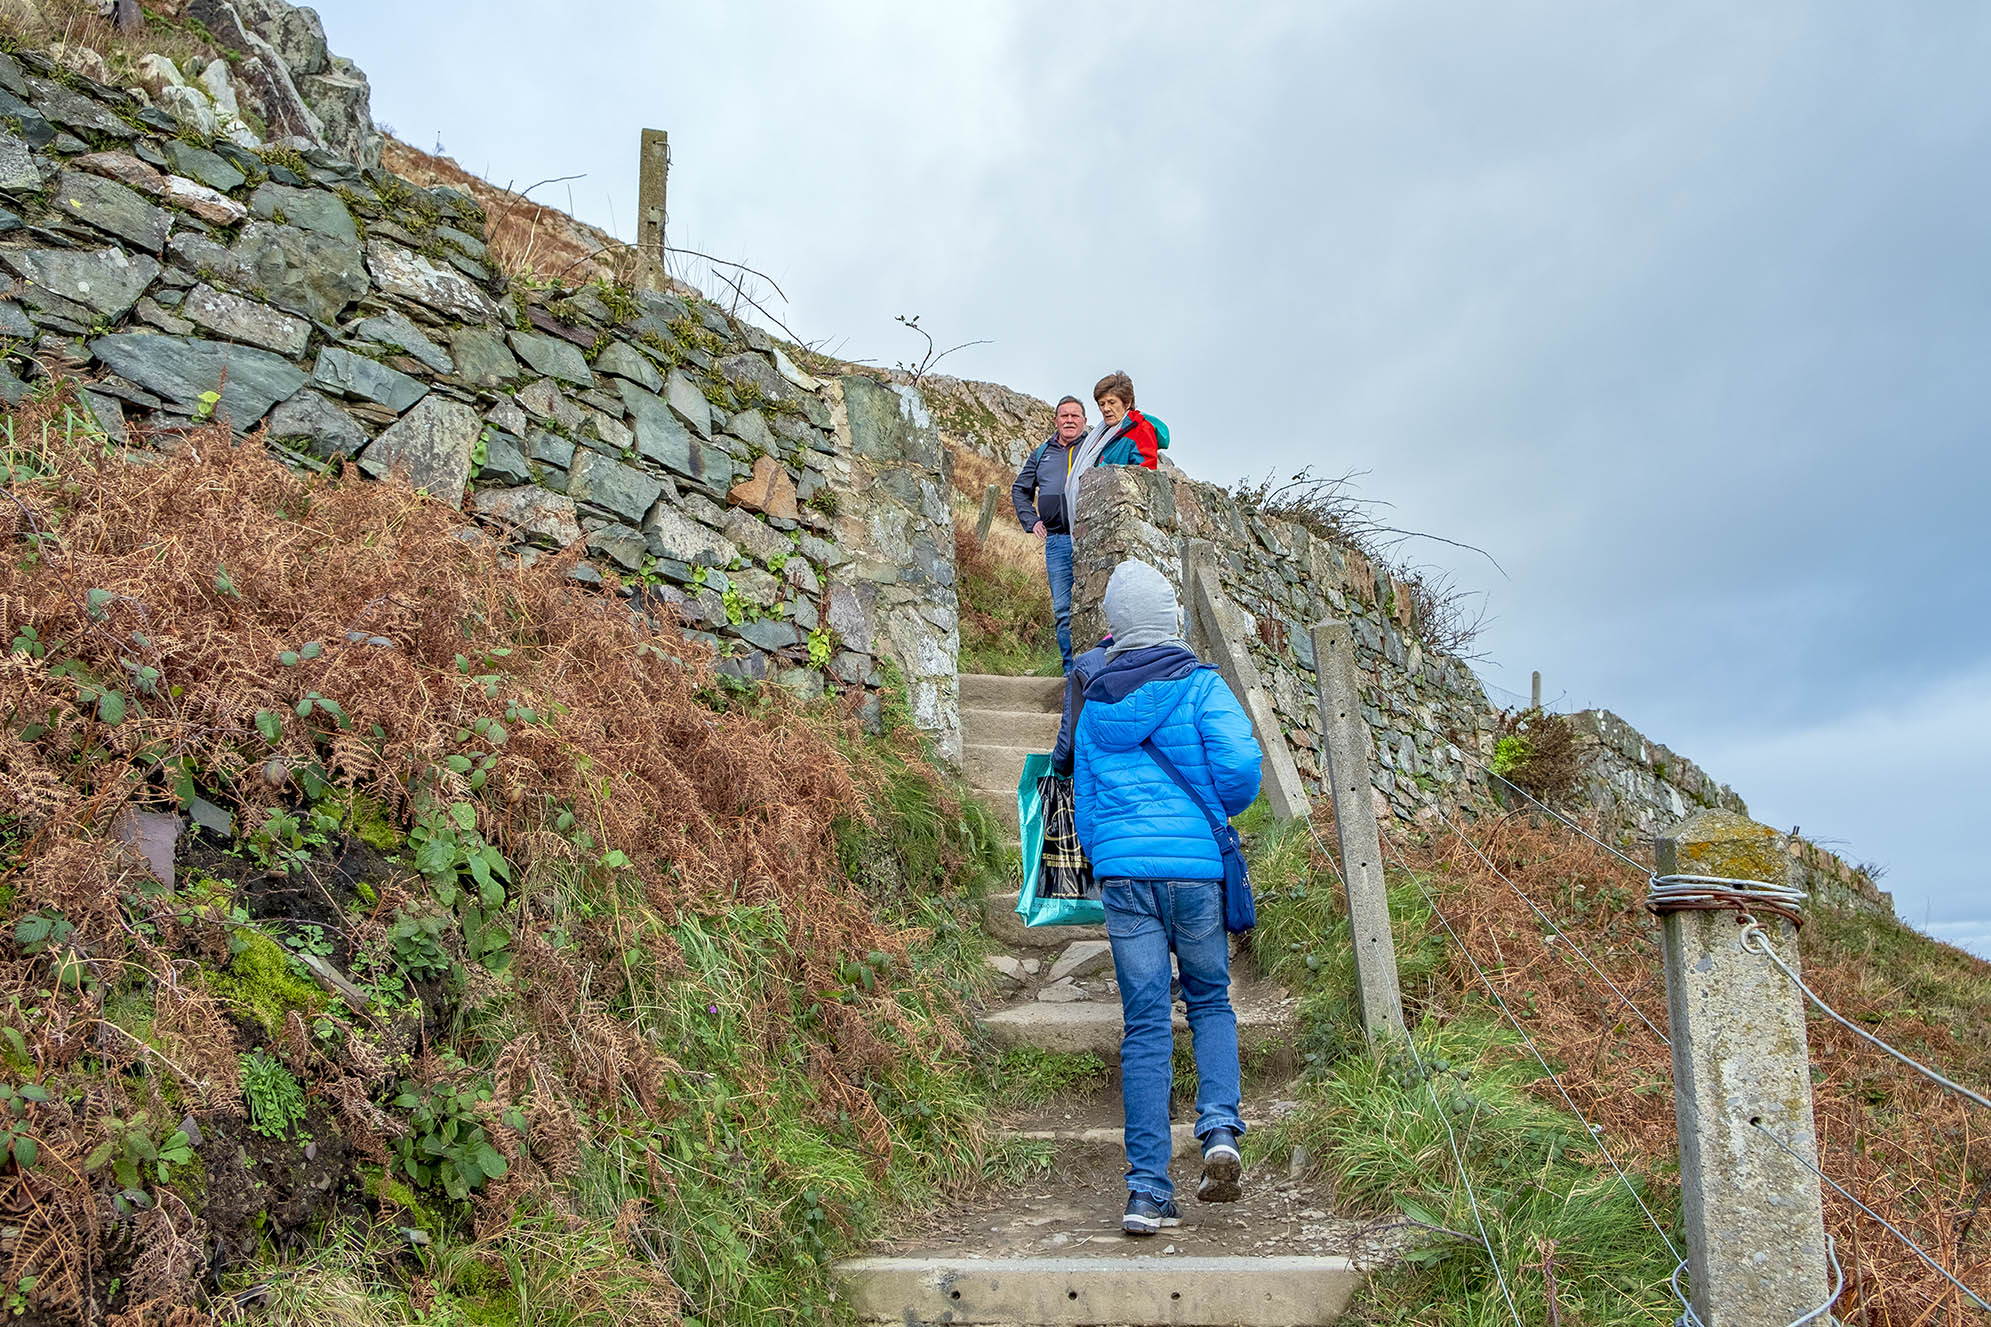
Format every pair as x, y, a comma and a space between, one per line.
932, 356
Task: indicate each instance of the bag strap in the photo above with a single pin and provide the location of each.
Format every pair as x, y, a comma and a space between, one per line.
1168, 768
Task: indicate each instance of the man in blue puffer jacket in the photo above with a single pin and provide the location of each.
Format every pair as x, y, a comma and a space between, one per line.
1161, 877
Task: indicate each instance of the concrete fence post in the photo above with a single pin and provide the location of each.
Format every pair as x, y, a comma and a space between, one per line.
1210, 628
1535, 691
987, 518
1345, 742
1754, 1214
652, 181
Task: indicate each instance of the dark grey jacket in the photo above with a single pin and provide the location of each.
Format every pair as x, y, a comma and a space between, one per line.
1039, 491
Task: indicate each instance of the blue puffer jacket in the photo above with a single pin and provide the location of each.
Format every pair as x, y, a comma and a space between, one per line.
1132, 820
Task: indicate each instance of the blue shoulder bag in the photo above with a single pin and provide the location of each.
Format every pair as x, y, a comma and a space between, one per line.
1240, 913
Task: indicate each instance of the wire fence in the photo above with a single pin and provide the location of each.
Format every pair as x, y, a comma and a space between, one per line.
1682, 891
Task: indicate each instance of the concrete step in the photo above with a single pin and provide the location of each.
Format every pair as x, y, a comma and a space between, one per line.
986, 691
1094, 1026
999, 919
1031, 728
1004, 806
992, 768
1144, 1288
1181, 1137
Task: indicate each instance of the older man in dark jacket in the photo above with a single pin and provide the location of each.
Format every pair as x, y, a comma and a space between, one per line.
1041, 508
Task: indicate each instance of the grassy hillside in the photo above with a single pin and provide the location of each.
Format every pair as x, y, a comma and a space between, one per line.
511, 968
1567, 1230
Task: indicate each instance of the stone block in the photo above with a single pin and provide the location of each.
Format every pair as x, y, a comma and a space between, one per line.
482, 359
366, 379
767, 490
321, 427
431, 444
105, 281
394, 329
410, 276
299, 271
533, 512
180, 369
553, 357
689, 403
239, 319
612, 486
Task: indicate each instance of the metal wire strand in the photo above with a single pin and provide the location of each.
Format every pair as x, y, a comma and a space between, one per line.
1757, 942
1917, 1249
1472, 1200
1596, 1132
1550, 922
1689, 1318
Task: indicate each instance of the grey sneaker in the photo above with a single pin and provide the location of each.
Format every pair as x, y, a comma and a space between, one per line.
1223, 1168
1147, 1215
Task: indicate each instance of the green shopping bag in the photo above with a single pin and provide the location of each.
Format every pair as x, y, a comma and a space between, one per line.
1034, 904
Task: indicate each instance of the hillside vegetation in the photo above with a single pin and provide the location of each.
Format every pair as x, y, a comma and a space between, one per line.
508, 966
1573, 1244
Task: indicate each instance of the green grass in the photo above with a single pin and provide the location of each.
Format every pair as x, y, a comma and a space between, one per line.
1007, 626
1374, 1125
1026, 1076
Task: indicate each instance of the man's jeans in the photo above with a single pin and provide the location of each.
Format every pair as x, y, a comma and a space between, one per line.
1058, 567
1145, 919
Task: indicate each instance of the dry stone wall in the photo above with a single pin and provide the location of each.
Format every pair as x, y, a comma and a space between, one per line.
796, 524
1433, 733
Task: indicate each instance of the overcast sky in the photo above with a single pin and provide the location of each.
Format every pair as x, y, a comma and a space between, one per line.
1681, 311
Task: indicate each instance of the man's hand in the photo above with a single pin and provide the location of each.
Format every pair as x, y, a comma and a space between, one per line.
1039, 530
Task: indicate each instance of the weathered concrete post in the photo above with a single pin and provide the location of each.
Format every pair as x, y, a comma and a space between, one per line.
987, 518
1345, 741
652, 178
1208, 626
1535, 691
1755, 1222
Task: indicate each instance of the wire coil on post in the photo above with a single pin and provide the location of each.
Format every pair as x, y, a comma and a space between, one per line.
1719, 893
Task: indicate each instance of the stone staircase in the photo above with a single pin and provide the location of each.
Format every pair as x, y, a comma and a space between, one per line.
1051, 1253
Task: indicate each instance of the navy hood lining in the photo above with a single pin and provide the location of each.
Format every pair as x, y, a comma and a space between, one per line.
1127, 673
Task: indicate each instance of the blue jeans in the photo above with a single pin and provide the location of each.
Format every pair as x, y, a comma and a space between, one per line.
1145, 919
1058, 567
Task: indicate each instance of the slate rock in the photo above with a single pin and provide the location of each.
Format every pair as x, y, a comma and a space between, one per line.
407, 274
623, 362
750, 427
313, 209
237, 319
612, 486
210, 168
179, 369
889, 423
394, 329
536, 514
504, 459
18, 173
481, 358
550, 448
690, 403
106, 281
543, 400
661, 435
553, 357
760, 542
113, 209
849, 619
769, 633
14, 323
75, 112
768, 490
369, 380
208, 204
26, 121
10, 221
432, 443
300, 271
621, 544
322, 427
672, 534
755, 371
506, 416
